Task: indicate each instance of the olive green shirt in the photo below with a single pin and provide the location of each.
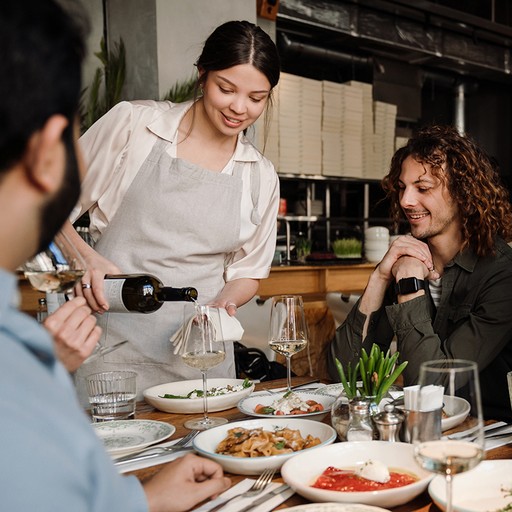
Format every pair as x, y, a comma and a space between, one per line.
473, 321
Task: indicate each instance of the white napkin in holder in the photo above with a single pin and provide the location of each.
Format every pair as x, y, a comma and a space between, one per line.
230, 329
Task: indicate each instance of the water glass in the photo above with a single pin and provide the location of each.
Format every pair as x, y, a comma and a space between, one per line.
112, 395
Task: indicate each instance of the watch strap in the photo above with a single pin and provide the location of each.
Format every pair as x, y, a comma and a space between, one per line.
409, 285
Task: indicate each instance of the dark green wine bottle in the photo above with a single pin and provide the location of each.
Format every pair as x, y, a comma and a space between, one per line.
142, 293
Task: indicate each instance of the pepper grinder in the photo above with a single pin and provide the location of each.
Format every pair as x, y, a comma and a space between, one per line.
389, 422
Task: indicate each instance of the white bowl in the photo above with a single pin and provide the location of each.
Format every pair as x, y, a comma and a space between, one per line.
480, 489
456, 409
206, 442
301, 471
247, 405
194, 405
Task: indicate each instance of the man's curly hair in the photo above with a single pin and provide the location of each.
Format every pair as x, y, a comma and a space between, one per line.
471, 178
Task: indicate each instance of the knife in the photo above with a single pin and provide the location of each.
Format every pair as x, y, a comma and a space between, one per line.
144, 456
265, 497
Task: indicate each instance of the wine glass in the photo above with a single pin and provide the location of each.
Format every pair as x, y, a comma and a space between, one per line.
288, 329
449, 457
203, 348
57, 269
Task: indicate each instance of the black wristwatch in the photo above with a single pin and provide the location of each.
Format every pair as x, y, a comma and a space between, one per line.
409, 285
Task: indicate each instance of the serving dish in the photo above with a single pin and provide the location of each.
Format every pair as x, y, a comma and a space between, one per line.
195, 405
248, 405
206, 442
301, 471
122, 437
486, 487
335, 507
456, 409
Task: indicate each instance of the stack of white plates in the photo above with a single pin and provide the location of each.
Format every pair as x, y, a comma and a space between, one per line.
376, 243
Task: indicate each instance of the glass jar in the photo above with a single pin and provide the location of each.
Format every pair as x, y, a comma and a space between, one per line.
340, 416
359, 426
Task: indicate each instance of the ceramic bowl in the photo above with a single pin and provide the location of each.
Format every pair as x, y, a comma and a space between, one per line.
206, 442
194, 405
302, 470
247, 405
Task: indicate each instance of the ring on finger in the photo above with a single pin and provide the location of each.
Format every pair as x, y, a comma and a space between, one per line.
86, 286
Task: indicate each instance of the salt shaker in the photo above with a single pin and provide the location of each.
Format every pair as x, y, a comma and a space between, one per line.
359, 425
389, 422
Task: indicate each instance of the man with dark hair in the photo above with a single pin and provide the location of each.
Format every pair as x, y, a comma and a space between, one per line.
445, 290
51, 458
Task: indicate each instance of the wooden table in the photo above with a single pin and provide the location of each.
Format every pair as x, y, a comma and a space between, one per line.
422, 503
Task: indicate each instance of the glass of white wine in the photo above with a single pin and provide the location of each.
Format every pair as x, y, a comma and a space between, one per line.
449, 457
288, 332
57, 269
203, 348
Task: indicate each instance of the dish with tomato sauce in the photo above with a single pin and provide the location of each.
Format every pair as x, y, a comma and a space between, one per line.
348, 480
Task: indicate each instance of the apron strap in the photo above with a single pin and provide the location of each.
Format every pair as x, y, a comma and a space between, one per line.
255, 194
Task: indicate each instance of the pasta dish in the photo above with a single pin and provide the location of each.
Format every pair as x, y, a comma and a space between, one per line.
242, 442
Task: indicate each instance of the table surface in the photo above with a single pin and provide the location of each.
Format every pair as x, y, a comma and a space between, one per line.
422, 503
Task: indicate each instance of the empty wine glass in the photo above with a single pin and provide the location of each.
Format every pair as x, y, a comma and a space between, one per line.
57, 269
288, 329
449, 457
203, 348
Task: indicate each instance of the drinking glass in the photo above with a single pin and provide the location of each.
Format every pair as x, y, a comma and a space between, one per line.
57, 269
288, 329
446, 456
203, 348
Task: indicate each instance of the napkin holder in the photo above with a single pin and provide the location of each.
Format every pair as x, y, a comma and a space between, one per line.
429, 417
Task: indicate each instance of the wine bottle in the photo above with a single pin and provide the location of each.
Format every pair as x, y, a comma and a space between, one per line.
142, 293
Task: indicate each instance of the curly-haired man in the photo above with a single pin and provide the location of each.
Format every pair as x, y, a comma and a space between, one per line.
444, 290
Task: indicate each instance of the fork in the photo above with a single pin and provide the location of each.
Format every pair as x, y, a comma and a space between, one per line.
257, 487
156, 450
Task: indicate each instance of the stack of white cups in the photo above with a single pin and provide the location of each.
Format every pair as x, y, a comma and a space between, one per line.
376, 243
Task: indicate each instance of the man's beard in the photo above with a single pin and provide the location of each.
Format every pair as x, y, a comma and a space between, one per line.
56, 212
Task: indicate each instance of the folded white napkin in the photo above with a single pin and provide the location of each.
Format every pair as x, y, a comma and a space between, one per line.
240, 503
430, 398
229, 329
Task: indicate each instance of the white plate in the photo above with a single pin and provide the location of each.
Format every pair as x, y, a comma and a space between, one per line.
206, 442
122, 437
247, 405
480, 489
301, 471
194, 405
456, 409
335, 507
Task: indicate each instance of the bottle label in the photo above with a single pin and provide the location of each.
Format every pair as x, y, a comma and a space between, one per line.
113, 293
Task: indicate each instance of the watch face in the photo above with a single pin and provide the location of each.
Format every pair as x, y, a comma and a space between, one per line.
409, 285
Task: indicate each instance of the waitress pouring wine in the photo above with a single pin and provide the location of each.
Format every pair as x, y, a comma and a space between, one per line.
179, 192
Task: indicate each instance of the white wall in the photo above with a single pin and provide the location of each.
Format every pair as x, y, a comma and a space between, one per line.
182, 28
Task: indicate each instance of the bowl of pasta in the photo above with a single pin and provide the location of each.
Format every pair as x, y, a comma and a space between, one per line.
297, 404
248, 447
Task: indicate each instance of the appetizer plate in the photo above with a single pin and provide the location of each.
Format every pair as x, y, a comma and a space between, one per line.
335, 507
206, 442
195, 405
456, 410
247, 405
301, 471
122, 437
486, 487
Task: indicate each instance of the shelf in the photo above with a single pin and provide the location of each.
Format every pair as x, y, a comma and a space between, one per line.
299, 218
320, 177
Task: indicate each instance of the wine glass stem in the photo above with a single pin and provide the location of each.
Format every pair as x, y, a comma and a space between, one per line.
289, 373
449, 506
205, 399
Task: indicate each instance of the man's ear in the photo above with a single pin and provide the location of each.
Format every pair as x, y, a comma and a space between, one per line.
45, 156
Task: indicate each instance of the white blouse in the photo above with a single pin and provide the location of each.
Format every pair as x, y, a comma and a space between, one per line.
115, 148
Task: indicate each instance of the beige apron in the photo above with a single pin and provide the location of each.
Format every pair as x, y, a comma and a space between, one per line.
178, 222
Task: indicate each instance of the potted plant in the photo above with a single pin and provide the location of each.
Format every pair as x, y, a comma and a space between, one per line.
347, 247
370, 378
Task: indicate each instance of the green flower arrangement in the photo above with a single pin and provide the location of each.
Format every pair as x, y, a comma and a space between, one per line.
377, 372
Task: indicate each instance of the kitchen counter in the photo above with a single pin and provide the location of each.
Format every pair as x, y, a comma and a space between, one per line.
314, 281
